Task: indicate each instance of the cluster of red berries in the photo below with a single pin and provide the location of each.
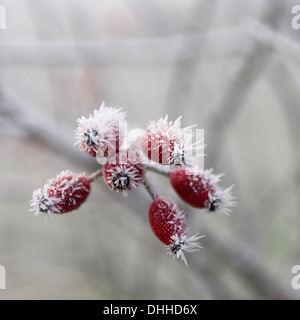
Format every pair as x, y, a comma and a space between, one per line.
164, 143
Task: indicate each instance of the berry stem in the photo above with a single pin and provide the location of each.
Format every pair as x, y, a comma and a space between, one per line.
164, 172
148, 186
94, 176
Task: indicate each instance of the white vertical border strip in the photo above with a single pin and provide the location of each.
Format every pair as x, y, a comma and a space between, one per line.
2, 18
2, 278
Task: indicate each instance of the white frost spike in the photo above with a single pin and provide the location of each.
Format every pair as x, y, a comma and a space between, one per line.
184, 244
163, 125
177, 143
41, 204
207, 175
123, 178
99, 128
188, 150
221, 200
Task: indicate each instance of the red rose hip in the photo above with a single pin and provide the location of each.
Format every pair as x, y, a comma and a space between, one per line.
121, 175
199, 188
102, 133
65, 193
169, 226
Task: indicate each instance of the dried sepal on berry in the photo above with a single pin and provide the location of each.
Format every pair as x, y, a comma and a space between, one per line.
121, 175
42, 203
221, 200
199, 188
184, 244
60, 195
102, 132
168, 224
188, 150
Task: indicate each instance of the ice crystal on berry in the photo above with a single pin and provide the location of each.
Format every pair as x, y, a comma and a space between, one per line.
62, 194
169, 225
165, 142
200, 189
221, 200
121, 177
183, 244
41, 203
102, 129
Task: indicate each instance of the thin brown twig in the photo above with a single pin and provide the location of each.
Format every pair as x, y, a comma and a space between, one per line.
149, 187
94, 176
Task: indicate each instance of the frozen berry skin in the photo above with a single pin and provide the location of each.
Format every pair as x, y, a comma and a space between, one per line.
165, 142
65, 193
168, 224
166, 220
161, 139
70, 189
193, 189
121, 175
199, 188
158, 147
102, 133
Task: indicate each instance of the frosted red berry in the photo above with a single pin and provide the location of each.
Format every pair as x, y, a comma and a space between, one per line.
62, 194
193, 189
162, 142
102, 133
166, 220
121, 175
199, 188
168, 224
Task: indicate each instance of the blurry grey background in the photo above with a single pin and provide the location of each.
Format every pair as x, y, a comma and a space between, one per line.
230, 66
